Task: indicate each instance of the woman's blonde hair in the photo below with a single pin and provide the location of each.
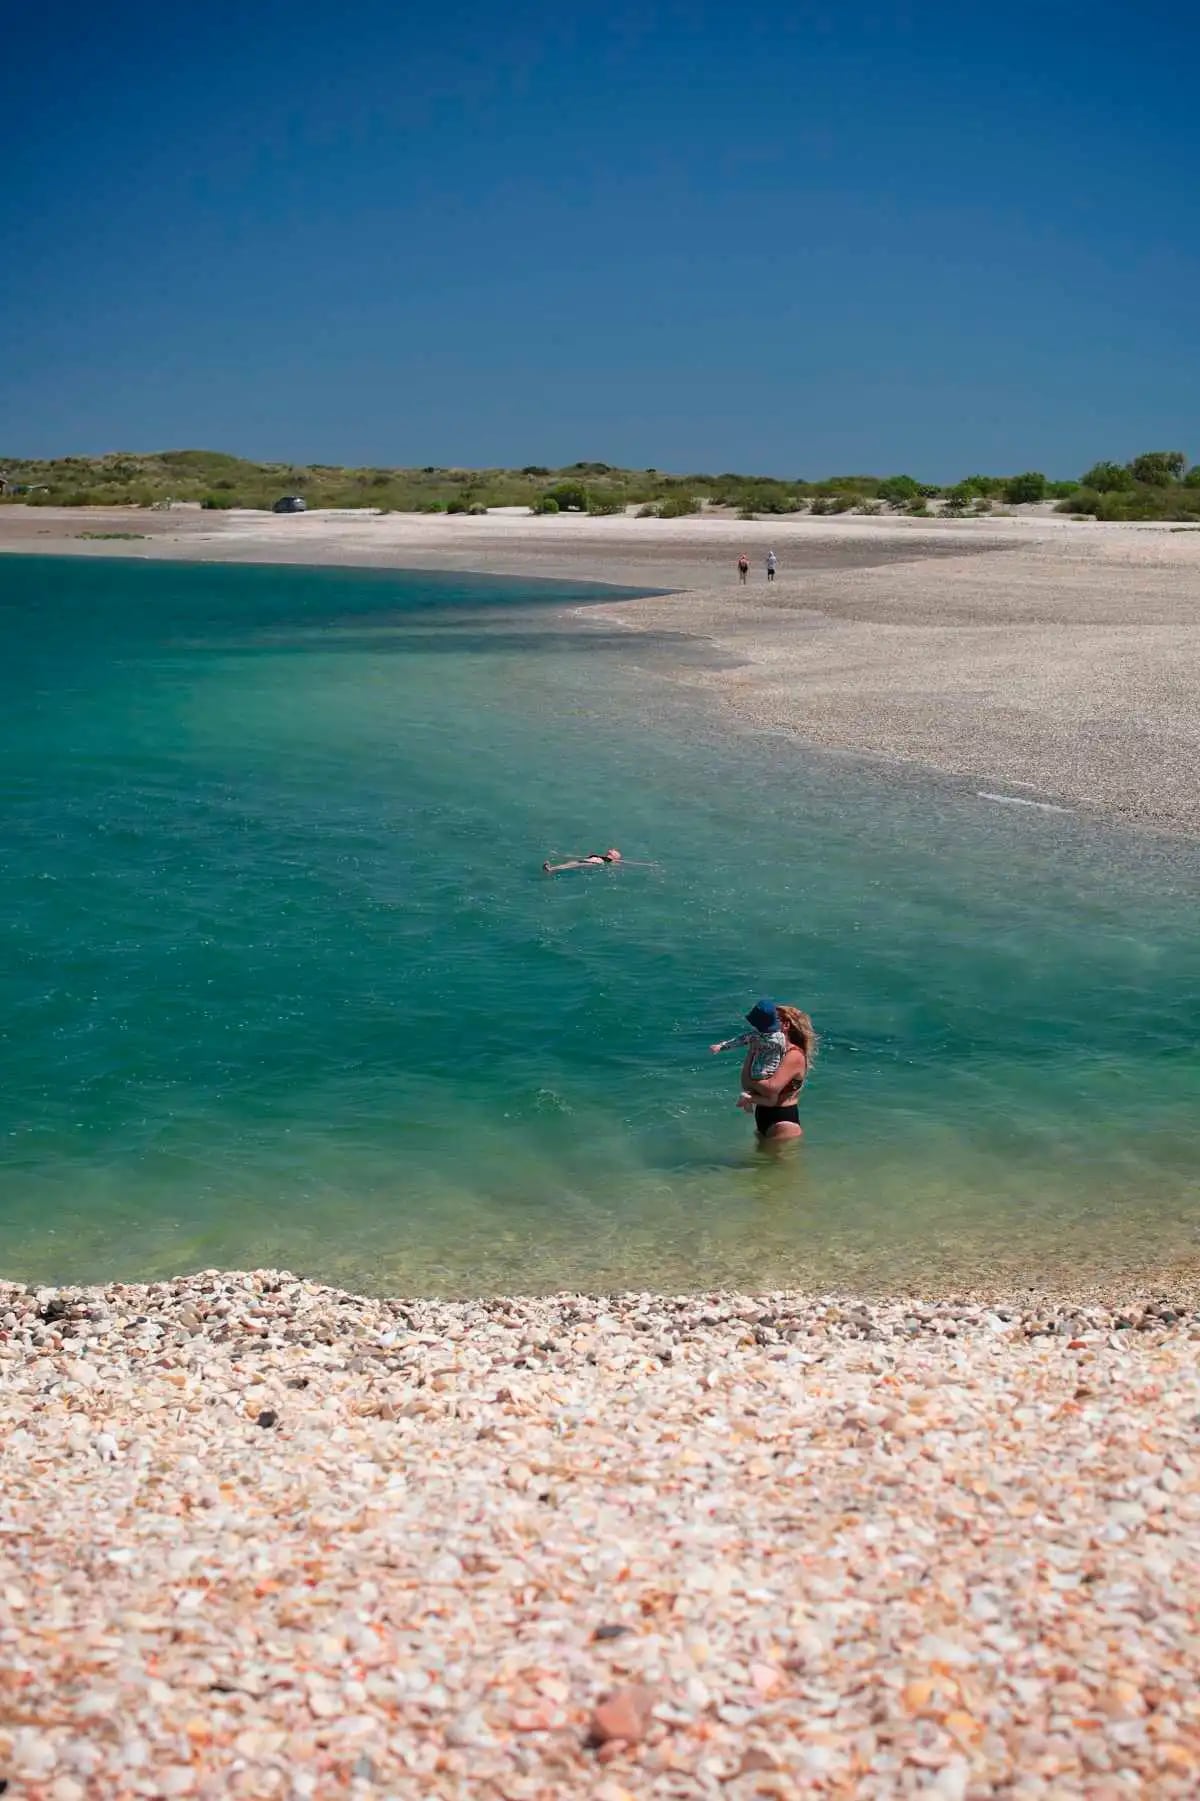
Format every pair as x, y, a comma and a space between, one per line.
800, 1029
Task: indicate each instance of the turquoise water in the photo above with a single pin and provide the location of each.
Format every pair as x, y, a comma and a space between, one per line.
283, 983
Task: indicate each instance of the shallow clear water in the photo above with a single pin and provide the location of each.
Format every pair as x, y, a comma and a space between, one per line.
282, 981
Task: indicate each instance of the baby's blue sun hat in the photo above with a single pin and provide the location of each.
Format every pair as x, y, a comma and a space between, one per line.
763, 1016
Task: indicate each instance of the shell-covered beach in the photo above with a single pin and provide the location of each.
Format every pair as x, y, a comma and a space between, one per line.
262, 1538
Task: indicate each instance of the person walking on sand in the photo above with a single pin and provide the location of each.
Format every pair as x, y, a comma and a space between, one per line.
743, 568
772, 565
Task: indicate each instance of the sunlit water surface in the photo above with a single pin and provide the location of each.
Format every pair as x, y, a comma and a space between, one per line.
282, 982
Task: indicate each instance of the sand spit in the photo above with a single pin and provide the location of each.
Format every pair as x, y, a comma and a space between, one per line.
1035, 653
261, 1538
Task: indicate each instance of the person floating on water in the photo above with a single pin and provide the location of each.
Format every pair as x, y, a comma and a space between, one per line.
595, 859
774, 1095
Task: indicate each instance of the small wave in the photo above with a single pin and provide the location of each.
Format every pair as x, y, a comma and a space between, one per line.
1015, 800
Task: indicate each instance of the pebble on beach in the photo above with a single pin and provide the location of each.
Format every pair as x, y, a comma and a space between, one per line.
261, 1538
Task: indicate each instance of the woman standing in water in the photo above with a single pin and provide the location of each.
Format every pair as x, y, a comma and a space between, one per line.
776, 1113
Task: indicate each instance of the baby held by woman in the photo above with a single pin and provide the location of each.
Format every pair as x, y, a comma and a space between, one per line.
769, 1042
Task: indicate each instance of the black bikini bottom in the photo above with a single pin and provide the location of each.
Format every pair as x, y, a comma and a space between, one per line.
766, 1117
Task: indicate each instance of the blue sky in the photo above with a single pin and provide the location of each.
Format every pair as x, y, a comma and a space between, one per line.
789, 239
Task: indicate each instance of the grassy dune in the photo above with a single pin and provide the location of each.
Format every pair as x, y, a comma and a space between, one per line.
1155, 485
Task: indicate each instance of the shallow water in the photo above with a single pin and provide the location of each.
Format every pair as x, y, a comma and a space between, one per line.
284, 984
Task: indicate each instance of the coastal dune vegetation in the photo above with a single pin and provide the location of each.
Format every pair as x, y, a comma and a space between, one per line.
1153, 485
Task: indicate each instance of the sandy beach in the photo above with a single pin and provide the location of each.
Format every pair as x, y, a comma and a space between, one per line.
261, 1538
1055, 661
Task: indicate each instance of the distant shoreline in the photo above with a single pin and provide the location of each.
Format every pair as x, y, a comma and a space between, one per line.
1034, 654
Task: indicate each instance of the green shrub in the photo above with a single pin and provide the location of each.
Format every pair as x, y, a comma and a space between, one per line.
1083, 502
456, 506
1144, 502
1192, 478
989, 486
432, 506
898, 489
747, 513
763, 496
1060, 490
864, 486
1152, 502
547, 504
678, 506
604, 506
1158, 468
1107, 478
918, 508
570, 496
872, 508
1026, 489
649, 511
842, 503
822, 504
477, 510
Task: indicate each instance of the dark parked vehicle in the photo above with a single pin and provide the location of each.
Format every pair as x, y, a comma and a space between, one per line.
290, 503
